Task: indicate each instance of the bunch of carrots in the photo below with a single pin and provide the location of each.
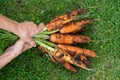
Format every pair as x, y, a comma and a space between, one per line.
58, 37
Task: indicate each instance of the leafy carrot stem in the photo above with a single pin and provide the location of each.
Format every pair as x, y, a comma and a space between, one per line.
44, 45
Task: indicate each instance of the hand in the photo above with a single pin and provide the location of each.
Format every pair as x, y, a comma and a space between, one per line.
27, 30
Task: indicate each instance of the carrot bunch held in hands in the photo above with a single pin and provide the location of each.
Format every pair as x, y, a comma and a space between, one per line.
58, 37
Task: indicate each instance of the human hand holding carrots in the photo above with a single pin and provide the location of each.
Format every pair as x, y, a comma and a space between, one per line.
25, 30
57, 45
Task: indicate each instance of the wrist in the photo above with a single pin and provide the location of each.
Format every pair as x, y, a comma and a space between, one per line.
18, 47
15, 49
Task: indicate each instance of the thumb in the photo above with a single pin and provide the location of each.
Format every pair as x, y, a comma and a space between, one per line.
41, 26
31, 42
26, 47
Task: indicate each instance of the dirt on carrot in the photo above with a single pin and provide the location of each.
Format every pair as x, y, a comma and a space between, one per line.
59, 21
74, 27
68, 38
77, 51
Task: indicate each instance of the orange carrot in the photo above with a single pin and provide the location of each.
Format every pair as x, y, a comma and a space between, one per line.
68, 39
70, 67
42, 49
76, 50
58, 22
80, 57
60, 53
68, 15
64, 63
83, 57
74, 27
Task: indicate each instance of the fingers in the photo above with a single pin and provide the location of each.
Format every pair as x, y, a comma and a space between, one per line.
26, 47
30, 41
26, 31
40, 27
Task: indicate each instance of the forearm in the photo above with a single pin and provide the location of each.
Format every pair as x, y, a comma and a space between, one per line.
8, 24
11, 53
6, 58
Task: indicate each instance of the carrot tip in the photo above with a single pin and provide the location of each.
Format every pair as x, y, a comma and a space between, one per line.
96, 19
87, 69
95, 41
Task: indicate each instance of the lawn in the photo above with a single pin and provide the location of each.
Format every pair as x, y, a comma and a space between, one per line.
33, 65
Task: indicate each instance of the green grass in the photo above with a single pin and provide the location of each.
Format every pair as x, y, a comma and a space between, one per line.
32, 65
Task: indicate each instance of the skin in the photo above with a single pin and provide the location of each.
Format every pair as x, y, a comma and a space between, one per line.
25, 30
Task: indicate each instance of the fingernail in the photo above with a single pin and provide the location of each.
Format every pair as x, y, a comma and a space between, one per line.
34, 46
